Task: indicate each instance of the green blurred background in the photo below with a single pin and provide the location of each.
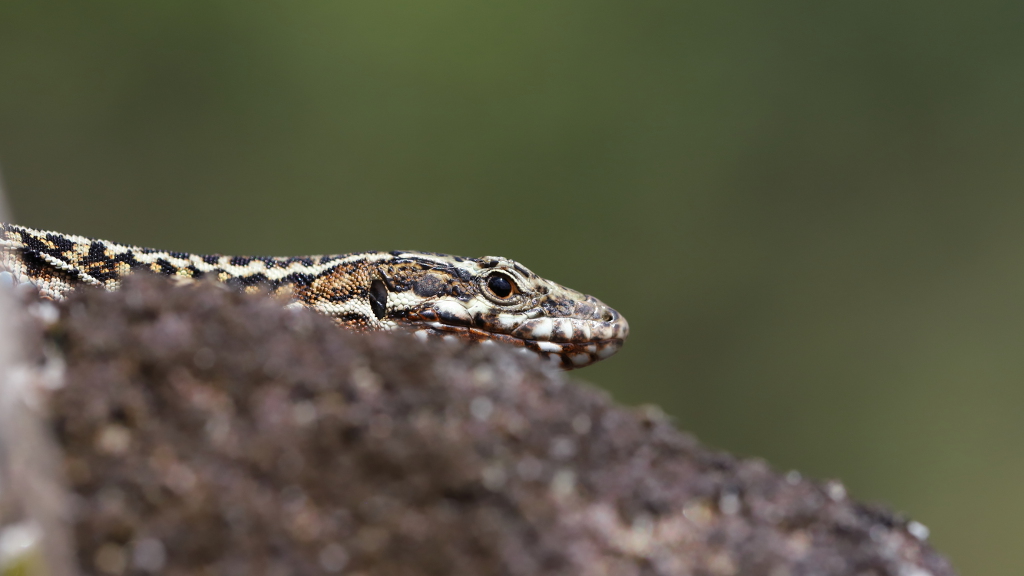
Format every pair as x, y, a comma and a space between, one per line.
811, 213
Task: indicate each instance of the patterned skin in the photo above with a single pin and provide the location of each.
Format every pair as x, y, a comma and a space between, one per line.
482, 300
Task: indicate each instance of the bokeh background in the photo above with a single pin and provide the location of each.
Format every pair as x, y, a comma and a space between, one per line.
810, 212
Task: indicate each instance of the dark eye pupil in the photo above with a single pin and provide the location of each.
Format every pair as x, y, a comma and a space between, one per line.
500, 285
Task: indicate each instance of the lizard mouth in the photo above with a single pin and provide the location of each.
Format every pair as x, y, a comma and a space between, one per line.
569, 342
567, 355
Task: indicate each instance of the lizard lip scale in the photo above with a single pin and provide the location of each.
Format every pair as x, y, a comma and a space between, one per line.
480, 300
596, 333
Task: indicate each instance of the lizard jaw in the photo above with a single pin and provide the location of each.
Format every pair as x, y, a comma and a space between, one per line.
594, 332
566, 355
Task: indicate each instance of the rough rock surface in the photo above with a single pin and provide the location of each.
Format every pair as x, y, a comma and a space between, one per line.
207, 432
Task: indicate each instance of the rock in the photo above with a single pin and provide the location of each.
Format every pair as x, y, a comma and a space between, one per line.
205, 431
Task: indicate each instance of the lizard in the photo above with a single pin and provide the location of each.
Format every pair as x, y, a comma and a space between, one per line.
488, 300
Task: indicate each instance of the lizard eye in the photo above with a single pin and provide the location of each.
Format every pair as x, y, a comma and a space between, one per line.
500, 285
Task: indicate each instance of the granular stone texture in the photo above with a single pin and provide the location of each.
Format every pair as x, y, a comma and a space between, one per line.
207, 432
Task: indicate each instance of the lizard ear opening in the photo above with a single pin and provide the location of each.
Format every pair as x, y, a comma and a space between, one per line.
378, 298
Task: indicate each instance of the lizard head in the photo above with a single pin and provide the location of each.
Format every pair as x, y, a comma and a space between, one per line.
492, 299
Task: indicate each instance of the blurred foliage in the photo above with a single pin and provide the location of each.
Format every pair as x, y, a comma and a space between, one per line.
809, 212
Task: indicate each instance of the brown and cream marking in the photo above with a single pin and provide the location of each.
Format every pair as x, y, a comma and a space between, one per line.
482, 300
